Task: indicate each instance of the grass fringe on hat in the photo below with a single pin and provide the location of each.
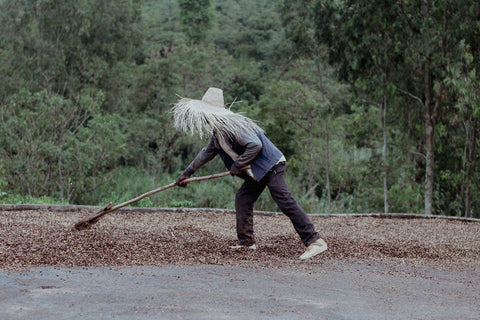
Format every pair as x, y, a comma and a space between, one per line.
195, 115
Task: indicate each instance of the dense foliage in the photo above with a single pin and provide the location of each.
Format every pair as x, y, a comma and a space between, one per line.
375, 104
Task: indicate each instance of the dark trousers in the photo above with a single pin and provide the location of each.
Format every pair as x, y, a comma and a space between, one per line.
249, 193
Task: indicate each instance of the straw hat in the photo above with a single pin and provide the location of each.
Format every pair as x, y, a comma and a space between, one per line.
210, 115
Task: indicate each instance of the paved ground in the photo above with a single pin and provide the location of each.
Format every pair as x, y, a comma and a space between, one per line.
353, 291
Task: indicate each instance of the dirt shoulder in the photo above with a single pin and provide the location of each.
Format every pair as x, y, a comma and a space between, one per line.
178, 265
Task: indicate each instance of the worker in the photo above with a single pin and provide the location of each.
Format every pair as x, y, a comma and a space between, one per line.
249, 154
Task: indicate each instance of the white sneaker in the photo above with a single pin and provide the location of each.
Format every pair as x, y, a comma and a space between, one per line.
313, 249
238, 246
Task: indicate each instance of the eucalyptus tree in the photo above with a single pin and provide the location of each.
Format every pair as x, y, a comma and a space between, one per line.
415, 39
364, 53
312, 95
465, 85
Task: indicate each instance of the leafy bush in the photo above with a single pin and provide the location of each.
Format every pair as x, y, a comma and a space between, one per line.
52, 146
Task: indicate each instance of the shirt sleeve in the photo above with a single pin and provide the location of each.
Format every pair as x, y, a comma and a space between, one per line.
205, 155
252, 145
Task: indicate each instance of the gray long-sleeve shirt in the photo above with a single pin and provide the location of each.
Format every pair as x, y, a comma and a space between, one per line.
253, 149
249, 142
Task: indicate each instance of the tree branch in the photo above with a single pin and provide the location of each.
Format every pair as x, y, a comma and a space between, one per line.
411, 95
418, 154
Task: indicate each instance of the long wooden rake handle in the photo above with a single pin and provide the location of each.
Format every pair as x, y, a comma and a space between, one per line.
87, 222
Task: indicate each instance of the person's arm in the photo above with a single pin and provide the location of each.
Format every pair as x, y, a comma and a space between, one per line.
252, 145
204, 156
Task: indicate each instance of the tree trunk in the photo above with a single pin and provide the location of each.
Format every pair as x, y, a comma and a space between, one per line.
429, 167
429, 123
383, 115
471, 149
327, 167
468, 197
327, 153
429, 140
430, 116
431, 109
311, 165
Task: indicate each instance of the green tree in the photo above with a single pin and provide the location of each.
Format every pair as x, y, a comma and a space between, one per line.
70, 46
51, 146
415, 37
307, 56
465, 84
196, 17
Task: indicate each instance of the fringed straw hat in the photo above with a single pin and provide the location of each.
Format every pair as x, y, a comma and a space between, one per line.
210, 115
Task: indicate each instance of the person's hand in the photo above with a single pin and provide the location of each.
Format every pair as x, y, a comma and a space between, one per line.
235, 170
180, 181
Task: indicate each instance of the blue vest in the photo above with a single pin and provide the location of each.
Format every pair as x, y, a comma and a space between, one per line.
263, 162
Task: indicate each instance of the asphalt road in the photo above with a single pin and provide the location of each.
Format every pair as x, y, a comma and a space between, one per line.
347, 291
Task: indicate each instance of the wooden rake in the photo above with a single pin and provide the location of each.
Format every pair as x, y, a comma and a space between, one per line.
87, 222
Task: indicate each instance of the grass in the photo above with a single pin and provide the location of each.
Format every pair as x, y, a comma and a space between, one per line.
130, 182
20, 199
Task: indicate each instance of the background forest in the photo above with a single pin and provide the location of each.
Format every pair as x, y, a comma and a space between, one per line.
374, 103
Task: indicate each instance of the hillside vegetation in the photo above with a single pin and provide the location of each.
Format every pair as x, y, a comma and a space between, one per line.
375, 105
